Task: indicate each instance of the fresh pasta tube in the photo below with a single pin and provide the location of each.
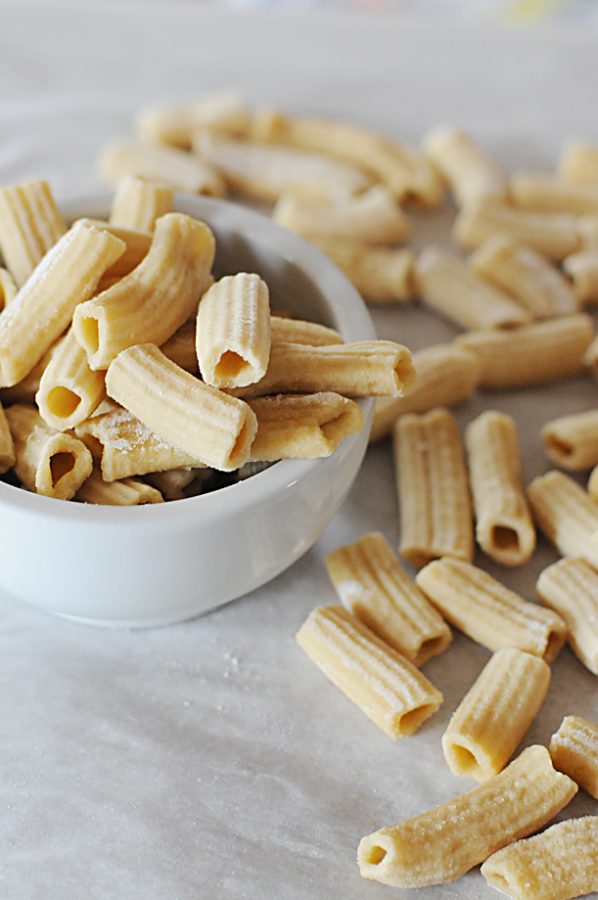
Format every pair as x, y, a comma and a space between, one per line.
186, 413
180, 348
435, 506
127, 492
574, 751
233, 331
494, 715
570, 587
47, 462
165, 165
26, 389
380, 274
302, 426
406, 173
30, 225
449, 840
223, 113
446, 376
137, 244
558, 864
582, 269
69, 390
488, 612
296, 331
579, 163
156, 298
386, 687
125, 448
138, 203
7, 446
504, 526
8, 288
450, 287
533, 354
374, 587
44, 306
526, 275
172, 484
266, 172
572, 441
359, 369
469, 171
370, 218
546, 193
554, 234
566, 514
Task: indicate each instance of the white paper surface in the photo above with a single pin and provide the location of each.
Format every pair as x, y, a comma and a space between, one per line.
212, 760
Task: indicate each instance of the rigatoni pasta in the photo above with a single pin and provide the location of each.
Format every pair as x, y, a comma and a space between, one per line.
380, 274
8, 288
433, 492
30, 225
375, 588
551, 194
579, 163
296, 331
572, 441
469, 171
494, 715
450, 287
165, 165
504, 526
582, 269
558, 864
386, 687
223, 112
128, 492
173, 483
488, 612
566, 514
570, 587
69, 390
138, 203
449, 840
574, 751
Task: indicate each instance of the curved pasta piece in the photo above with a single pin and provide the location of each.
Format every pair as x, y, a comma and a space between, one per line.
469, 171
149, 304
166, 165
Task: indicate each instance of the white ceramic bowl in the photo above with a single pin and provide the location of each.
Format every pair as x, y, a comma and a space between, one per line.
157, 564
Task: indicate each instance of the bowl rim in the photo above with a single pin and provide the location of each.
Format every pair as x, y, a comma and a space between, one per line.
355, 324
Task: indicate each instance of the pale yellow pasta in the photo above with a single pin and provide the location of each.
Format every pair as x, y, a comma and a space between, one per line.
44, 306
233, 331
69, 390
488, 612
525, 274
593, 483
405, 172
572, 441
566, 514
570, 587
386, 687
47, 461
579, 163
223, 113
180, 348
186, 413
266, 172
359, 369
26, 389
127, 492
30, 225
554, 234
558, 864
447, 841
296, 331
450, 287
137, 244
494, 715
173, 484
8, 288
469, 171
7, 446
380, 274
504, 526
371, 218
532, 354
156, 298
374, 587
138, 203
302, 426
547, 193
446, 376
124, 447
179, 170
433, 492
574, 751
582, 269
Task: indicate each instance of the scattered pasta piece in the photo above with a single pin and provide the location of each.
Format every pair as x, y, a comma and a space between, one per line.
582, 269
471, 174
570, 587
380, 274
579, 163
572, 441
166, 165
566, 514
222, 113
546, 193
574, 751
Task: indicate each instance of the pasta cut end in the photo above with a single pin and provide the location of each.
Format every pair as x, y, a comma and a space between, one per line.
554, 644
232, 369
462, 759
240, 451
432, 647
60, 465
404, 724
62, 402
504, 538
375, 857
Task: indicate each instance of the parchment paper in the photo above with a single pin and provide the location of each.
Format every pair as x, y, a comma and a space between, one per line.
212, 760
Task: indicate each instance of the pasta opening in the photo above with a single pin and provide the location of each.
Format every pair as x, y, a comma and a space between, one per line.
238, 451
410, 721
429, 648
375, 855
464, 759
553, 645
504, 538
90, 333
62, 402
558, 446
230, 365
499, 882
60, 465
404, 375
334, 427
